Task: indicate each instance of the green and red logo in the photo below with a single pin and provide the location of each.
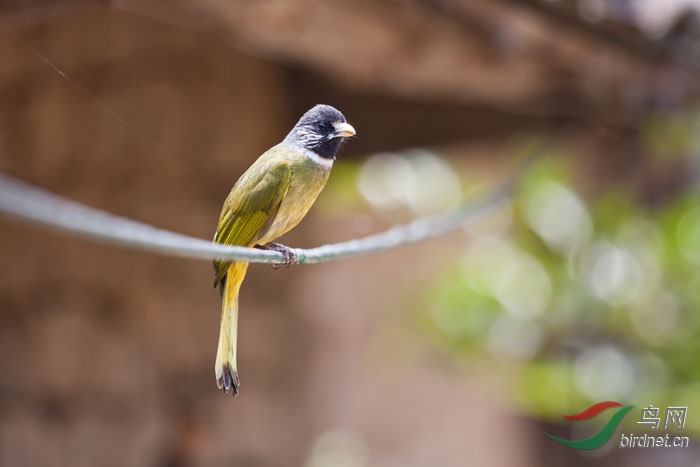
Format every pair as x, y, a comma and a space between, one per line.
600, 438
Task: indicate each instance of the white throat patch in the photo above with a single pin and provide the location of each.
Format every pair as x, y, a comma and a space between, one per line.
322, 161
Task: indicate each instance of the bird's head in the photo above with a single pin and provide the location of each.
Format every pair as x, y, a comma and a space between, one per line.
321, 130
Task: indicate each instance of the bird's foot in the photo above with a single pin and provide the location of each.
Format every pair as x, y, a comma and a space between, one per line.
227, 379
288, 255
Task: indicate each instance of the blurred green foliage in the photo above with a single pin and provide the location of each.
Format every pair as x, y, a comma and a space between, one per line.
581, 300
588, 300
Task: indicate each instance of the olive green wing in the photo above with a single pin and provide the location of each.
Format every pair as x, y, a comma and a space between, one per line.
252, 202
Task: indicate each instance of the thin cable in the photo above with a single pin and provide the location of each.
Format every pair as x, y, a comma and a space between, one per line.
77, 86
26, 201
104, 106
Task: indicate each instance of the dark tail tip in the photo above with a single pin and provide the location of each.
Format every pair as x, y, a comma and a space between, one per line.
228, 381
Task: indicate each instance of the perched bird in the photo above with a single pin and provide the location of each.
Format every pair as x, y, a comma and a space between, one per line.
270, 199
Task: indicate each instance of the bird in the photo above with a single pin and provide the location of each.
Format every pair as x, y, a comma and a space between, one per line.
267, 201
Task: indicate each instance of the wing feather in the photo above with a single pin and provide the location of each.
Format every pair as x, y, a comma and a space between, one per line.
253, 201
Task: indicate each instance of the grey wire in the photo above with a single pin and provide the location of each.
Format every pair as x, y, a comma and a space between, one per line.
38, 205
26, 201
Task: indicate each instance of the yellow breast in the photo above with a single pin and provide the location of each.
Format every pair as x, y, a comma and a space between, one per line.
307, 180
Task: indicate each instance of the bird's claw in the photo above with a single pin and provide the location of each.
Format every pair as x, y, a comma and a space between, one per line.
288, 255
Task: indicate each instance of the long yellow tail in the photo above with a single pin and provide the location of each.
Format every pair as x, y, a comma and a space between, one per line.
225, 367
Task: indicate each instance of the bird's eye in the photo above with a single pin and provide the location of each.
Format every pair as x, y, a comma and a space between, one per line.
324, 126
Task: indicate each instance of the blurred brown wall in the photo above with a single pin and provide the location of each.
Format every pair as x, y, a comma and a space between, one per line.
107, 354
